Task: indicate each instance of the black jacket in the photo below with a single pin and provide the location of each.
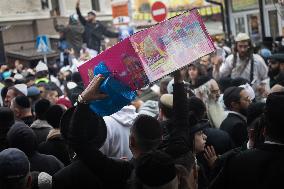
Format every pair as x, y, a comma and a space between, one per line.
94, 32
56, 146
28, 120
3, 138
237, 129
178, 141
45, 163
22, 137
257, 168
76, 175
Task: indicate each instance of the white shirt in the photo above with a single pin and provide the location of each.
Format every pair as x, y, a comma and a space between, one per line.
270, 142
118, 131
226, 69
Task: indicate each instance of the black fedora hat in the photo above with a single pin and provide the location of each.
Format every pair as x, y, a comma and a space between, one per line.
90, 126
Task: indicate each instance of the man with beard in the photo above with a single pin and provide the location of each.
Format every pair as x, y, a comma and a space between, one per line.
243, 63
209, 93
276, 69
237, 100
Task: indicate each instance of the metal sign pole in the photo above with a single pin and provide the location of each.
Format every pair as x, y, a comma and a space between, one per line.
45, 58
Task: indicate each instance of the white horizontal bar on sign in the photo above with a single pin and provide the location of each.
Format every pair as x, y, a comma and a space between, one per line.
159, 12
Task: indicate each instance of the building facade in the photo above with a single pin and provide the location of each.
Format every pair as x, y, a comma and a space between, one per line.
22, 21
245, 16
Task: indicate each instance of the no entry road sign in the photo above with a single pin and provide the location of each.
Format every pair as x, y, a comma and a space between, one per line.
159, 11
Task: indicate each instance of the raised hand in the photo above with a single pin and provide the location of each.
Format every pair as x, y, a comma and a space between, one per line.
210, 156
178, 76
216, 62
78, 4
92, 92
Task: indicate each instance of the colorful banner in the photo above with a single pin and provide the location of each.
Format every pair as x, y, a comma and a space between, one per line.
154, 53
122, 61
172, 45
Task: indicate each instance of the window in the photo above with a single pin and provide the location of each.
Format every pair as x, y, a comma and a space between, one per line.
96, 5
44, 4
254, 27
55, 11
273, 23
240, 25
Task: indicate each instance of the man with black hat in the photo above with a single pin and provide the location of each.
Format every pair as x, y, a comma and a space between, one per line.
94, 30
276, 69
237, 100
263, 166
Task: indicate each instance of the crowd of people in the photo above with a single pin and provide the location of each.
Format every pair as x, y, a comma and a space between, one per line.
216, 123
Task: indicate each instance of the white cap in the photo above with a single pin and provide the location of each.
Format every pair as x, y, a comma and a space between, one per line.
41, 66
18, 76
71, 85
242, 37
22, 88
249, 90
167, 100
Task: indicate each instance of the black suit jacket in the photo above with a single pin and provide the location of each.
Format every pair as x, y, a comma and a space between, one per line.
76, 175
262, 167
237, 129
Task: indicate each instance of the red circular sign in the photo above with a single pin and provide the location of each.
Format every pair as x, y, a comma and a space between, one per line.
159, 11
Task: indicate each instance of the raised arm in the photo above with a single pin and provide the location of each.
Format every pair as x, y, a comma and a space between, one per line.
180, 107
222, 68
81, 18
112, 171
109, 33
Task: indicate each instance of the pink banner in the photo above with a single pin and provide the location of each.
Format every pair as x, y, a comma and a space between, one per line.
122, 61
154, 53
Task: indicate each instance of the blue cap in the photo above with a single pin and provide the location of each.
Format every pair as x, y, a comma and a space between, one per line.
266, 53
6, 74
13, 164
33, 91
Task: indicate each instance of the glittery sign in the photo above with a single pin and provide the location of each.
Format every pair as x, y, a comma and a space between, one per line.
155, 52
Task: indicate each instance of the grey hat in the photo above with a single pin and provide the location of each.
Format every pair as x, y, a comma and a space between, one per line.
150, 108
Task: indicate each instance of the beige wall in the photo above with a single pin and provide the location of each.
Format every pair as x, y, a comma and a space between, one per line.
23, 34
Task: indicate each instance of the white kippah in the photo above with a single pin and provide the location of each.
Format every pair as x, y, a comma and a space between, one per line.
23, 88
